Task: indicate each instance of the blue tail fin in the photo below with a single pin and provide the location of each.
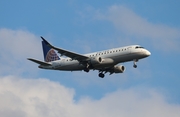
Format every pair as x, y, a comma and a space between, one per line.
49, 53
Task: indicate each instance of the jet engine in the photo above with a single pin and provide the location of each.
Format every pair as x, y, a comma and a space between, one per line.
96, 60
119, 69
101, 61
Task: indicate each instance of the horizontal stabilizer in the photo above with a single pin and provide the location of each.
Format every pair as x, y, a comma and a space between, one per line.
39, 62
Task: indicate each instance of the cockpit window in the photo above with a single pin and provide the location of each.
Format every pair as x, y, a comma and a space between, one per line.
138, 47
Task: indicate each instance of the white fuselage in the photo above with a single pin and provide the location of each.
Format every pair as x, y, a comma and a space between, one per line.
110, 58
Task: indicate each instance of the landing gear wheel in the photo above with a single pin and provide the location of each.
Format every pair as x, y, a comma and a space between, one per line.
135, 61
86, 70
135, 66
101, 75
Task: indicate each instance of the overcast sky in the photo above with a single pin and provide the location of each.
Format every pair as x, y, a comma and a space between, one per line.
151, 90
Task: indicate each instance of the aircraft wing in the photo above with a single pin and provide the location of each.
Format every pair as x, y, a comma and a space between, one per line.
73, 55
39, 62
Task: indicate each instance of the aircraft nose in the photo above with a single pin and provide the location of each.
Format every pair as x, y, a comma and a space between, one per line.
148, 53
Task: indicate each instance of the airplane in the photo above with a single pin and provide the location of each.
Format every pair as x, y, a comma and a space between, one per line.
104, 61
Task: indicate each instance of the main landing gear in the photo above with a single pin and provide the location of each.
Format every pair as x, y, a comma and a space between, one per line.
86, 69
135, 61
101, 75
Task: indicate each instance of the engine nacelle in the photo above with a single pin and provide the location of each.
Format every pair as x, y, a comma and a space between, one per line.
119, 69
96, 60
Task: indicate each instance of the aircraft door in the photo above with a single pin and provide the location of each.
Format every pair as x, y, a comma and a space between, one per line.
129, 49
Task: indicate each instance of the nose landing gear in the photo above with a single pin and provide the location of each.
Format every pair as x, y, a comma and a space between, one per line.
135, 66
135, 61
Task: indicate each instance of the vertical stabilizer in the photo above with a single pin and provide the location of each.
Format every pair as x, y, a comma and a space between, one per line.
49, 53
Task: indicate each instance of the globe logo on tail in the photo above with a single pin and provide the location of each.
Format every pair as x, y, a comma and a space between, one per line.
51, 56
